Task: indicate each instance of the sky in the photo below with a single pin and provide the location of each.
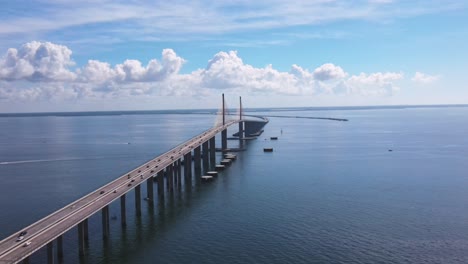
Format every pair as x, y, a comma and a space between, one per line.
92, 55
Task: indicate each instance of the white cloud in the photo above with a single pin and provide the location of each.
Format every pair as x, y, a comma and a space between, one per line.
422, 78
132, 70
374, 83
42, 71
42, 61
329, 71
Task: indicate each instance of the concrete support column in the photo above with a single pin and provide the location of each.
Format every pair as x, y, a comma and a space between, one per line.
81, 243
160, 179
123, 211
60, 248
85, 230
224, 140
170, 178
205, 156
50, 253
138, 199
105, 222
179, 173
212, 152
197, 161
174, 173
241, 135
188, 168
149, 190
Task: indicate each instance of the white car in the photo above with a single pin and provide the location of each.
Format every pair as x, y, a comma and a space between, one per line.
27, 244
20, 238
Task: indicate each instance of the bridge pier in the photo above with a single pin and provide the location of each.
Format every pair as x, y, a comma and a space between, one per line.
160, 179
224, 140
241, 135
179, 173
205, 156
149, 190
197, 162
170, 178
188, 168
138, 199
60, 248
105, 222
81, 243
123, 211
85, 230
50, 253
212, 152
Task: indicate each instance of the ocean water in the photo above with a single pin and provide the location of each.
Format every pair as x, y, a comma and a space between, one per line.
331, 192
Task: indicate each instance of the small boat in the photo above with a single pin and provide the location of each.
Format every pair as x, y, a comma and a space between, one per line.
274, 138
267, 149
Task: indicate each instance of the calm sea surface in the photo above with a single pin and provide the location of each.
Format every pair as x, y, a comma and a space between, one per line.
331, 192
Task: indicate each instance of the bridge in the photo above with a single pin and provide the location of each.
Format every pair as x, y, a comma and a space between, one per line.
165, 169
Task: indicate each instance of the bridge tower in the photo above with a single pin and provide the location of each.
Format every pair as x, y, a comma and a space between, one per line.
241, 125
224, 132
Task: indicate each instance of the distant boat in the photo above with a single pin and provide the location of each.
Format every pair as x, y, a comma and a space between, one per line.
267, 149
274, 138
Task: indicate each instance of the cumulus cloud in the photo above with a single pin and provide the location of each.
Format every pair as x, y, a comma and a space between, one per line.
44, 71
329, 71
43, 61
132, 70
422, 78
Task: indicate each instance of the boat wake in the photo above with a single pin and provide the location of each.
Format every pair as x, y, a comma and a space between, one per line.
36, 161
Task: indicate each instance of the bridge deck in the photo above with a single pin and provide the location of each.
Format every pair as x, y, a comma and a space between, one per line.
52, 226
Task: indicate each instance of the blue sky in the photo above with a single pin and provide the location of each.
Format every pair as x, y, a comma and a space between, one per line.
61, 55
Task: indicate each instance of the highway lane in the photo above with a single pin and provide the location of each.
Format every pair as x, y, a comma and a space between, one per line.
47, 228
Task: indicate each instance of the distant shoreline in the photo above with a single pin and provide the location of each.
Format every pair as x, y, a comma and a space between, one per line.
214, 111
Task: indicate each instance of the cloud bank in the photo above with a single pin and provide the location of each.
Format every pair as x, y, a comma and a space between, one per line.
44, 70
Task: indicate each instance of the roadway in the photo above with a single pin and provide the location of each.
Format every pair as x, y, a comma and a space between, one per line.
52, 226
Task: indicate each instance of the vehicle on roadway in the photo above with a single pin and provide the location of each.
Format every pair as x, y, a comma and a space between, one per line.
23, 233
27, 244
19, 238
101, 192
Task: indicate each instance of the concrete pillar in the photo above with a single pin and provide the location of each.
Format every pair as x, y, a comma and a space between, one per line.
224, 140
85, 230
179, 173
138, 199
123, 211
105, 222
160, 179
149, 190
205, 156
212, 152
197, 161
188, 168
81, 243
170, 178
50, 253
174, 173
241, 135
60, 248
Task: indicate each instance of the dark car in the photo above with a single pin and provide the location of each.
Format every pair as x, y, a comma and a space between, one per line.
23, 233
101, 192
